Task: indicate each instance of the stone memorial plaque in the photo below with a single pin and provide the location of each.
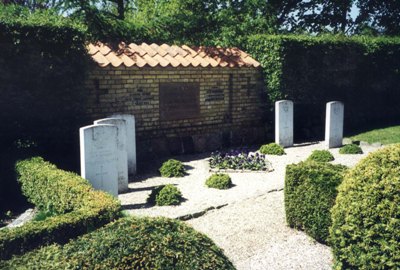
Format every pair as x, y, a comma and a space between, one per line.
130, 141
284, 123
334, 124
98, 153
122, 154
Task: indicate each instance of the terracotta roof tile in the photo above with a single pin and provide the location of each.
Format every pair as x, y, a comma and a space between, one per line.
154, 55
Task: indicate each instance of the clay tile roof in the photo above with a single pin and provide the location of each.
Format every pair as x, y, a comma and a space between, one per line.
154, 55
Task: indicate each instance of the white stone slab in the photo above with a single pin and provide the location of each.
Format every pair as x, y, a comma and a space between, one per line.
284, 123
98, 150
122, 154
130, 141
334, 124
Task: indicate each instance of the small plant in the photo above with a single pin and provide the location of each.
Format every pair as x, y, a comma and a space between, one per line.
351, 149
239, 160
165, 195
219, 181
172, 168
272, 149
321, 156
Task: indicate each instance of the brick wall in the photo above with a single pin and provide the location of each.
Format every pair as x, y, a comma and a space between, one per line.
232, 106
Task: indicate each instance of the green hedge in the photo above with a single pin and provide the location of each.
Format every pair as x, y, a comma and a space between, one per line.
272, 149
134, 243
78, 206
172, 168
362, 72
310, 192
365, 231
321, 156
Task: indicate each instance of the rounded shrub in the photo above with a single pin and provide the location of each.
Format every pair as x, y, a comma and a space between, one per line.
321, 156
310, 192
219, 181
165, 195
130, 243
272, 149
365, 232
351, 149
172, 168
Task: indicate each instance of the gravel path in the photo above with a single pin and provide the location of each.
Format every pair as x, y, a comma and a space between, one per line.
251, 226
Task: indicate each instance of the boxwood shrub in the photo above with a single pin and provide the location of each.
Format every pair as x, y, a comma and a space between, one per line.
321, 156
165, 195
365, 232
310, 192
172, 168
130, 243
272, 149
350, 149
219, 181
78, 207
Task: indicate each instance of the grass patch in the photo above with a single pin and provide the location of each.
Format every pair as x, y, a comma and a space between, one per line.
387, 135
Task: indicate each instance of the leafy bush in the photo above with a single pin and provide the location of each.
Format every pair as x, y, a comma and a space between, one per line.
130, 243
310, 192
239, 160
366, 217
78, 206
351, 149
168, 195
321, 156
219, 181
272, 149
172, 168
165, 195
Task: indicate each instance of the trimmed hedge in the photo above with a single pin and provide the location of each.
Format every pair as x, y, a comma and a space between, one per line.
172, 168
130, 243
362, 72
310, 192
321, 156
272, 149
350, 149
78, 206
365, 232
219, 181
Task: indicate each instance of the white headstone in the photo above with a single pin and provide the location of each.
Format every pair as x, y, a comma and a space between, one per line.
122, 154
130, 141
98, 150
334, 124
284, 123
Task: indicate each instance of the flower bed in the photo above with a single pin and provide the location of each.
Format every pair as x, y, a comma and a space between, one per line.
239, 160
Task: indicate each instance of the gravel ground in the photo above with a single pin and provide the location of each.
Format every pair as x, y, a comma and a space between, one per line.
251, 227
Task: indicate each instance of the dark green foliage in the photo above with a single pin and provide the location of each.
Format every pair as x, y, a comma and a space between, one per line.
310, 192
219, 181
272, 149
77, 206
351, 149
168, 195
321, 156
365, 232
172, 168
238, 160
362, 72
130, 243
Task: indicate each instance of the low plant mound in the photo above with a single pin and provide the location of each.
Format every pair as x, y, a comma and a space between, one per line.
239, 160
130, 243
165, 195
321, 156
351, 149
70, 204
172, 168
310, 192
365, 231
219, 181
272, 149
